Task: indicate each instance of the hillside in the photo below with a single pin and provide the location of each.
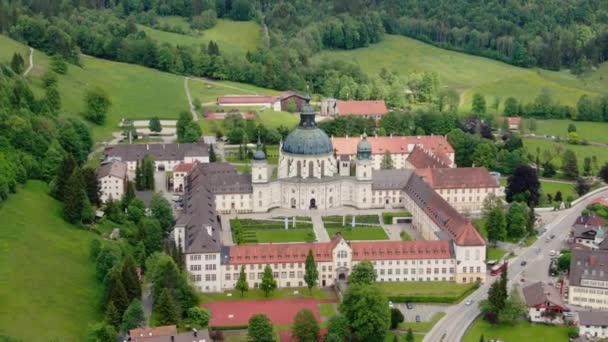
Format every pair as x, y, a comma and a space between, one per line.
469, 74
48, 288
233, 37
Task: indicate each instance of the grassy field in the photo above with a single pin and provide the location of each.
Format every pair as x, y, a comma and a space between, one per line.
469, 74
495, 253
282, 235
581, 151
208, 91
280, 293
549, 187
47, 282
135, 92
233, 37
425, 288
359, 233
327, 310
480, 225
524, 331
267, 117
592, 131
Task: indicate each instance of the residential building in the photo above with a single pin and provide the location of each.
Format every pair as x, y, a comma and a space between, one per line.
406, 152
588, 231
544, 302
166, 156
144, 334
112, 178
593, 324
366, 108
168, 334
588, 283
179, 174
309, 179
513, 122
464, 188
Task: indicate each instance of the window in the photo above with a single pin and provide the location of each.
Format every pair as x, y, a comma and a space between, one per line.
227, 276
292, 274
275, 275
251, 276
342, 254
283, 274
195, 267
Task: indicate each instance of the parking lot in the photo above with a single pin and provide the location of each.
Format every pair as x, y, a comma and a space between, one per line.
425, 311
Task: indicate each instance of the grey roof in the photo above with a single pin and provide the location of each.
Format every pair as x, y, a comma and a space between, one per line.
589, 265
542, 294
390, 179
134, 152
307, 138
202, 184
593, 318
113, 168
584, 232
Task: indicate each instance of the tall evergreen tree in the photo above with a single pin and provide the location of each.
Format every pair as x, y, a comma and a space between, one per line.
241, 284
268, 282
569, 164
311, 273
130, 280
305, 327
17, 63
148, 172
212, 156
129, 195
115, 291
134, 316
74, 198
64, 172
112, 318
165, 309
91, 185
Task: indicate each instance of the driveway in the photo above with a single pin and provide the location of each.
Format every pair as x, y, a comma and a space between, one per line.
425, 311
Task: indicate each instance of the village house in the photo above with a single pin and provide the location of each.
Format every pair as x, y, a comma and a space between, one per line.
464, 188
112, 179
166, 156
588, 231
179, 174
368, 108
588, 282
593, 324
513, 122
544, 302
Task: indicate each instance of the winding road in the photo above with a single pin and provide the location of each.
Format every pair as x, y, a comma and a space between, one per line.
453, 326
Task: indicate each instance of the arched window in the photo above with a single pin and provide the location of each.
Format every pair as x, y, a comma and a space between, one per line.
322, 168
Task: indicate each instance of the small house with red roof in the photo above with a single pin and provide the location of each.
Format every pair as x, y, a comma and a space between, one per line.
364, 108
179, 174
513, 122
545, 303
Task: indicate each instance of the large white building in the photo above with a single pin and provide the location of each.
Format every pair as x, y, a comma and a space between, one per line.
112, 179
309, 177
166, 156
593, 324
588, 282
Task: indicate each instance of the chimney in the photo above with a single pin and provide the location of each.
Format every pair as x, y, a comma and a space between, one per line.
194, 332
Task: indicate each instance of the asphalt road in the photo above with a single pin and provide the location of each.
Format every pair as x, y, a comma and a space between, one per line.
453, 326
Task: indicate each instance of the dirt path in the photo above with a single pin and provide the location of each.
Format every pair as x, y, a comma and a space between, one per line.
31, 66
206, 80
190, 105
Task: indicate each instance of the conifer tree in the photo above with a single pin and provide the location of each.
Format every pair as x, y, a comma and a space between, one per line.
139, 176
129, 194
115, 291
311, 273
17, 63
91, 185
112, 317
165, 309
148, 172
134, 316
74, 198
65, 171
268, 282
212, 156
241, 284
130, 280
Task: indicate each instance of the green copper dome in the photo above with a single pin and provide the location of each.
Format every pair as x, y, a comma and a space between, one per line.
307, 138
259, 153
364, 148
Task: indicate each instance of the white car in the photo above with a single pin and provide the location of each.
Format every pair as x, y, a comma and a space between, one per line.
552, 253
468, 302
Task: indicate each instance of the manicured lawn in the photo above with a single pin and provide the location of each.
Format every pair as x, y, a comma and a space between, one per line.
581, 151
388, 217
470, 74
405, 236
495, 253
282, 235
359, 233
47, 280
592, 131
348, 219
426, 289
480, 225
422, 326
280, 293
233, 37
524, 331
327, 310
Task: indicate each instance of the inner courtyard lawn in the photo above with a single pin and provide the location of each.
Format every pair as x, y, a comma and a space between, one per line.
359, 233
524, 331
47, 282
282, 235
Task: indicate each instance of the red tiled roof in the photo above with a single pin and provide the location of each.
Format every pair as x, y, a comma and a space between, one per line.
457, 178
245, 99
402, 250
603, 200
282, 252
513, 120
436, 144
361, 108
595, 221
183, 167
419, 158
140, 334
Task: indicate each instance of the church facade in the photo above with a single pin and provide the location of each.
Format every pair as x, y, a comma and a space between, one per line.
309, 177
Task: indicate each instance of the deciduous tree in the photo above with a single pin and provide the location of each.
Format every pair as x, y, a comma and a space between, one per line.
365, 307
260, 329
305, 327
496, 225
161, 210
97, 104
268, 283
154, 125
362, 273
524, 181
241, 284
479, 104
569, 164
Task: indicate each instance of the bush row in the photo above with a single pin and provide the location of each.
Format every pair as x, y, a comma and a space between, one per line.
433, 299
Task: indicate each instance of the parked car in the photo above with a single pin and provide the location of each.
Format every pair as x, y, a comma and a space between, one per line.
409, 305
524, 263
552, 252
468, 302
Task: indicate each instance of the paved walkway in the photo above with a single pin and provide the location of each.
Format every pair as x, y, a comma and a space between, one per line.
226, 231
31, 66
319, 228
